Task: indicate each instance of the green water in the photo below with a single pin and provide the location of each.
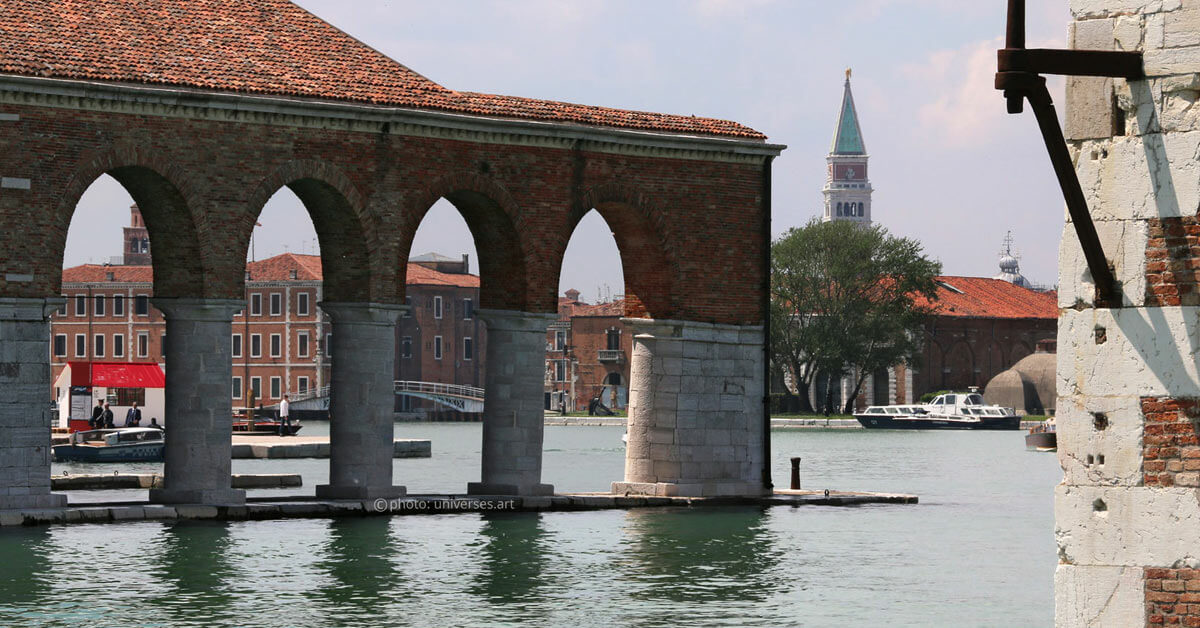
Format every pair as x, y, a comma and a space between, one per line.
977, 551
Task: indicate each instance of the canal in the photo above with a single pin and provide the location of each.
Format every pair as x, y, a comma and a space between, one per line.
977, 551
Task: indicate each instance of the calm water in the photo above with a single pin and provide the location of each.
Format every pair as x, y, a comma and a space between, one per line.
977, 551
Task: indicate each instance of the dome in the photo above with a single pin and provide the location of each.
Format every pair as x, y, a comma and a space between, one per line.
1010, 269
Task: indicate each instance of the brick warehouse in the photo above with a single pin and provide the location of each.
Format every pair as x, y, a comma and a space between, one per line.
201, 139
587, 355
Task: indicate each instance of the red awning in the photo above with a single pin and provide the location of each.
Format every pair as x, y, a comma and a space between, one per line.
116, 375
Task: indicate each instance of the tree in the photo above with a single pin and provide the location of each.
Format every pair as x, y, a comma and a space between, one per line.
846, 294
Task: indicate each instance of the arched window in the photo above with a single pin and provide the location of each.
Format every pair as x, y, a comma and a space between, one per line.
839, 209
862, 209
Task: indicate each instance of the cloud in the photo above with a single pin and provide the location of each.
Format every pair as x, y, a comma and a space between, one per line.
726, 8
963, 108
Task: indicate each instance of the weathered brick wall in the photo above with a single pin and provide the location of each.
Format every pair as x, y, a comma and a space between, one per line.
1128, 382
1171, 445
689, 229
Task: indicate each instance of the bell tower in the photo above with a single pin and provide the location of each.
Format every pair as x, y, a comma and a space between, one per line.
847, 190
137, 240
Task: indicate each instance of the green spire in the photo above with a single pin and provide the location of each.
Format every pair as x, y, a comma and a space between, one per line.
848, 139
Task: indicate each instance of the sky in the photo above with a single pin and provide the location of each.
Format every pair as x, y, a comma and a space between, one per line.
948, 165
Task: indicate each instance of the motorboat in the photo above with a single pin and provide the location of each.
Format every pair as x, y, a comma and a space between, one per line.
950, 411
1042, 437
126, 444
245, 425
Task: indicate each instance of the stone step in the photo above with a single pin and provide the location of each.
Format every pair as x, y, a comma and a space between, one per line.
110, 481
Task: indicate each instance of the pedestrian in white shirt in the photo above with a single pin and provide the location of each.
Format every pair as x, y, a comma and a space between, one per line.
285, 422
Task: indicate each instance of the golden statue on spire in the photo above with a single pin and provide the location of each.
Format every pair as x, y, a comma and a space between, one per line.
847, 74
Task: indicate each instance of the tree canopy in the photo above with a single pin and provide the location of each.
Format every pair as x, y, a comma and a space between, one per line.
846, 294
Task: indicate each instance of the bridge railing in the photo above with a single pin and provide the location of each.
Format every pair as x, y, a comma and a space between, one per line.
311, 393
435, 388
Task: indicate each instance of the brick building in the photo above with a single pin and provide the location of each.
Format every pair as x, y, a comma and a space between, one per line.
587, 354
440, 339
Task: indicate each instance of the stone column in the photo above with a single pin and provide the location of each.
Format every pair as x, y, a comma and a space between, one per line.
513, 404
25, 408
199, 411
695, 410
361, 401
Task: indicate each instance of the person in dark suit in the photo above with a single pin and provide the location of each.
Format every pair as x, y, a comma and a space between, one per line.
107, 417
97, 420
133, 417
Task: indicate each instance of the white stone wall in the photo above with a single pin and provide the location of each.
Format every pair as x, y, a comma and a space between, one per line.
1136, 146
695, 423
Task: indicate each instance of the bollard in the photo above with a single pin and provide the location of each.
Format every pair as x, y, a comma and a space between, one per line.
795, 474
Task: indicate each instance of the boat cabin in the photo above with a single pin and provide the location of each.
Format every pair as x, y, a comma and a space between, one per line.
109, 438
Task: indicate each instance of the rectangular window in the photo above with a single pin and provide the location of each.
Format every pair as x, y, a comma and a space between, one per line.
329, 345
302, 384
237, 387
60, 345
162, 348
406, 347
62, 309
613, 339
255, 304
126, 396
141, 305
276, 393
237, 345
302, 344
143, 344
276, 304
560, 339
560, 370
437, 307
81, 305
98, 305
256, 387
468, 349
302, 304
118, 345
256, 345
276, 346
408, 304
118, 305
437, 347
98, 346
468, 309
80, 345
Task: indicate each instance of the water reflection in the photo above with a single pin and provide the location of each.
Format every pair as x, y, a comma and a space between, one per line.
192, 569
708, 555
25, 581
513, 559
359, 562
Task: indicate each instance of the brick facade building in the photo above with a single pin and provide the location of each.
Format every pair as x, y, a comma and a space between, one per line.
588, 352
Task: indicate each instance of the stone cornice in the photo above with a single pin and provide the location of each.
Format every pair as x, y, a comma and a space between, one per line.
364, 118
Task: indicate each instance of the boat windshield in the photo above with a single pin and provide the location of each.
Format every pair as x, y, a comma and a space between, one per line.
974, 400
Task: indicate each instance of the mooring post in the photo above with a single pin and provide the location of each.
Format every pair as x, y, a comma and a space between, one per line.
795, 474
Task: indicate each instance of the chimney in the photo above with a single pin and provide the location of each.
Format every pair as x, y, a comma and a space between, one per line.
1049, 345
572, 295
110, 276
293, 274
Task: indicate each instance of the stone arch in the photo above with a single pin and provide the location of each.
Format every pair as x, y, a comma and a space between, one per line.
344, 228
960, 360
648, 259
496, 225
166, 196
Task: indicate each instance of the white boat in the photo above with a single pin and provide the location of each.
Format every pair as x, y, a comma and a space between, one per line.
951, 411
127, 444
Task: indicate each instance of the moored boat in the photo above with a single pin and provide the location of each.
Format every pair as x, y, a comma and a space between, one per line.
1043, 437
128, 444
951, 411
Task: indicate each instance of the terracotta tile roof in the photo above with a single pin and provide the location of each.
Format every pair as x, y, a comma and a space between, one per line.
98, 273
980, 297
568, 308
277, 268
270, 47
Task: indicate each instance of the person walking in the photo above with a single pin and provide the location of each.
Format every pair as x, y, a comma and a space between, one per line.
107, 418
97, 420
285, 421
133, 417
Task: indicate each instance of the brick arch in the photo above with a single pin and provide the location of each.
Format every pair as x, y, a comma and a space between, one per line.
960, 359
643, 238
167, 197
1020, 349
497, 226
933, 365
345, 229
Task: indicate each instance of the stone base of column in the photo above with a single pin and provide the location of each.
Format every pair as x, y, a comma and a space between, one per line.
671, 489
492, 488
329, 491
23, 502
207, 497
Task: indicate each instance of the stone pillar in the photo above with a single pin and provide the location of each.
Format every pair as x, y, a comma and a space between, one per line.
361, 401
25, 408
1127, 514
695, 410
199, 411
513, 404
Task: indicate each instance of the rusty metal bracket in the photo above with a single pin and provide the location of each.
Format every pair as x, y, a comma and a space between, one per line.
1018, 74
